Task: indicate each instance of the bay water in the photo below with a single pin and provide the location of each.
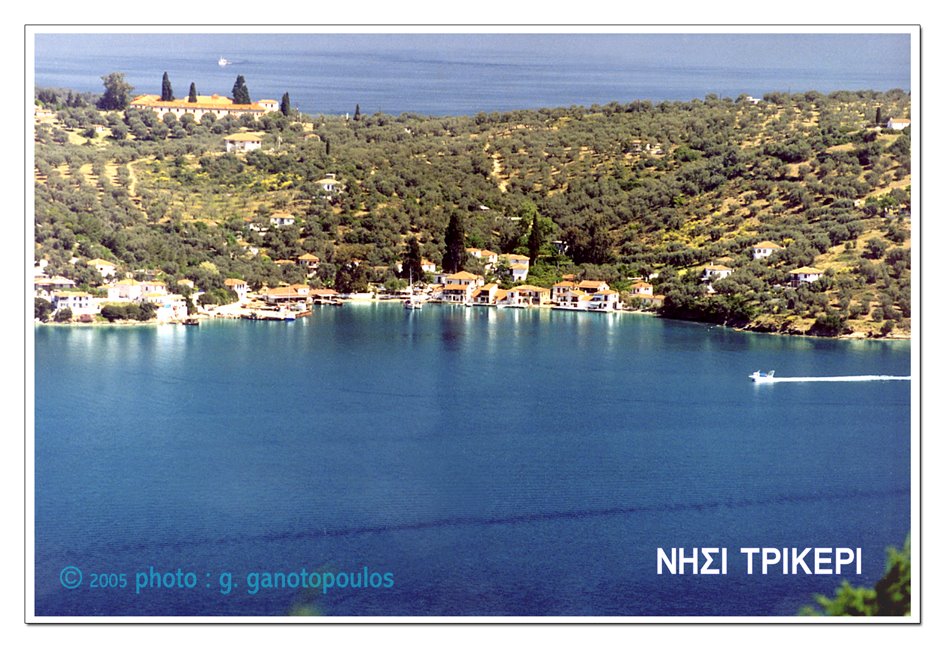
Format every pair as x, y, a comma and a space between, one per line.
490, 462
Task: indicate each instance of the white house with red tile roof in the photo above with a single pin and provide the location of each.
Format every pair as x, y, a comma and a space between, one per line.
898, 123
105, 268
559, 289
574, 300
329, 184
310, 262
458, 293
464, 277
285, 295
641, 288
806, 274
716, 272
125, 290
519, 272
592, 286
79, 302
237, 286
485, 295
240, 142
153, 286
514, 258
215, 105
43, 286
280, 219
488, 258
606, 300
527, 294
764, 249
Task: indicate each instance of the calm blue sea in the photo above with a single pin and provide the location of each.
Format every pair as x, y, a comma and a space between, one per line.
463, 74
492, 462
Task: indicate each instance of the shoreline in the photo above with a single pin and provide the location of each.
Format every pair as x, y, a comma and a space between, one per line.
855, 336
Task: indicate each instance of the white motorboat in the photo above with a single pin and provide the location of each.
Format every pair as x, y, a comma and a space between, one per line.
761, 377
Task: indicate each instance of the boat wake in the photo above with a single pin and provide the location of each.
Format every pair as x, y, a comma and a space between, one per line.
773, 380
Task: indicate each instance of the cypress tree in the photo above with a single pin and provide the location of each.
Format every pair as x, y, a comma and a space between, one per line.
534, 239
192, 97
285, 106
327, 147
240, 91
455, 257
167, 94
357, 112
412, 266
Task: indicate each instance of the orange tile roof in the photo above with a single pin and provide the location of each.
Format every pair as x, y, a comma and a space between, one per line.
204, 102
456, 287
463, 275
590, 284
244, 137
230, 282
808, 270
55, 280
282, 292
767, 244
72, 294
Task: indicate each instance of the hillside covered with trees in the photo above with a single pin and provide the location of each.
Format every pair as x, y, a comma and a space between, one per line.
614, 192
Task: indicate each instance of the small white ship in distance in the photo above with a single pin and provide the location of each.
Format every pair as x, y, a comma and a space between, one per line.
762, 376
222, 62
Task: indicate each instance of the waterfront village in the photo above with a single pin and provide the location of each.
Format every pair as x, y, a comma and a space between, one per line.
180, 303
120, 293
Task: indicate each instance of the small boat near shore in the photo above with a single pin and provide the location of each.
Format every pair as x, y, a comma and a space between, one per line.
761, 377
413, 301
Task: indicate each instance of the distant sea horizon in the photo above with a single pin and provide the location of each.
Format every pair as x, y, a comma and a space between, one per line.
465, 74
